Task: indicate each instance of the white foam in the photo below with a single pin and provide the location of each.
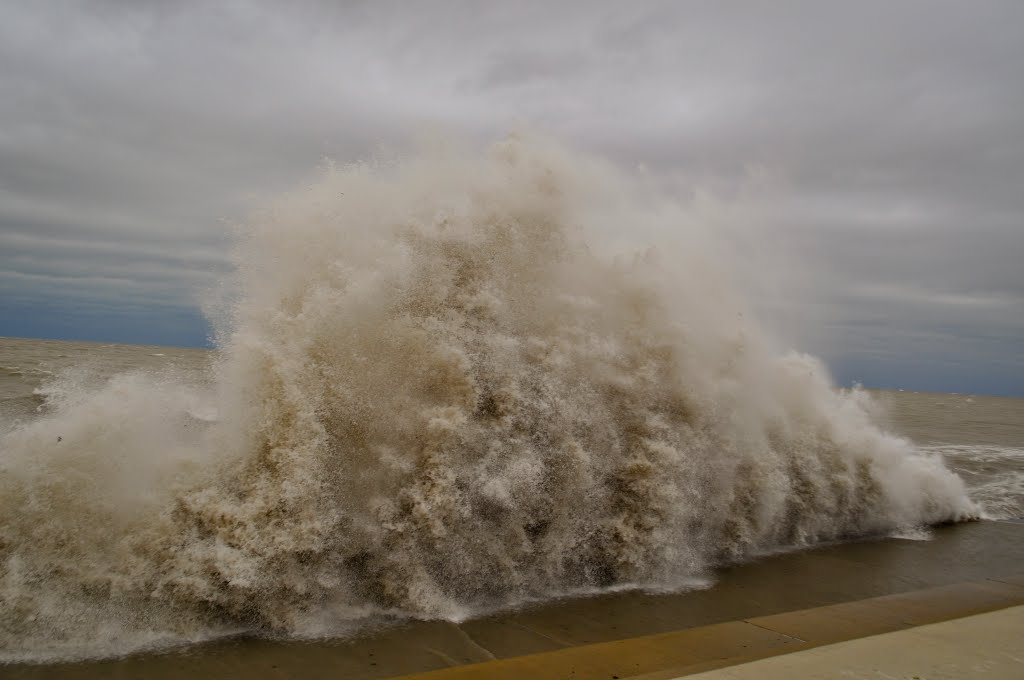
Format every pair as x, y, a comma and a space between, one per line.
994, 476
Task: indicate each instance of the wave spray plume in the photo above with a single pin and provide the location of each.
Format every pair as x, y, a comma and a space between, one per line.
438, 396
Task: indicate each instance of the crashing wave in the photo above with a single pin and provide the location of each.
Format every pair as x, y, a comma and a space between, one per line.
438, 396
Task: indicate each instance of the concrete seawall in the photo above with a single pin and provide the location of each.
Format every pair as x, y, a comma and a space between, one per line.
694, 650
772, 605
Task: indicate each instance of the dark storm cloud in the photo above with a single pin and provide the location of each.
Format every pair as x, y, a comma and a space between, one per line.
891, 134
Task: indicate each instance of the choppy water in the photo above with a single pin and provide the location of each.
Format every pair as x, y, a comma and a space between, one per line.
437, 395
32, 370
980, 437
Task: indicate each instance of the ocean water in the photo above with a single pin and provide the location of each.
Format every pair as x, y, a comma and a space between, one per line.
979, 437
437, 393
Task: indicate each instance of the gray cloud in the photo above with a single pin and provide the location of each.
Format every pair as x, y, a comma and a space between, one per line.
891, 134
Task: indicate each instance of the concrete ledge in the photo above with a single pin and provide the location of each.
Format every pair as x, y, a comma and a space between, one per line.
984, 645
696, 650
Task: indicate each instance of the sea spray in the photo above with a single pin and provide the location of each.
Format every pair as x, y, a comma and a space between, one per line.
437, 395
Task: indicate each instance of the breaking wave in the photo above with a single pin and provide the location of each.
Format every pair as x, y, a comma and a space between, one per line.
438, 395
993, 474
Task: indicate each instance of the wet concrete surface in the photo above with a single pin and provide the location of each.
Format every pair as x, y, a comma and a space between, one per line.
722, 645
767, 586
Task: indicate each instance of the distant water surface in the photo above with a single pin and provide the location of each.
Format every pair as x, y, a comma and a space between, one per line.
28, 365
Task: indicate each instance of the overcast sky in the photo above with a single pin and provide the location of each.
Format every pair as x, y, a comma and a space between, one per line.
893, 132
